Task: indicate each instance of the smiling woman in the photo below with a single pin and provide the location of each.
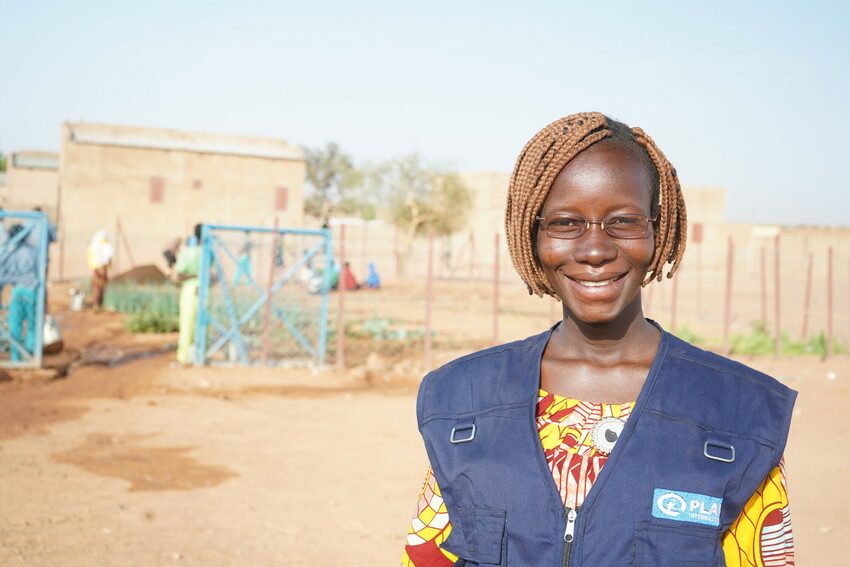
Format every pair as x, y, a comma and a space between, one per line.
517, 435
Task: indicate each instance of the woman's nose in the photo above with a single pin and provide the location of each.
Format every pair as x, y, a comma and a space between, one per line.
595, 247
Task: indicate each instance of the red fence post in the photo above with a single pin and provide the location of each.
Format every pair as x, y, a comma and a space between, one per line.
267, 313
471, 255
340, 314
699, 282
429, 297
776, 300
807, 299
124, 241
673, 302
496, 292
116, 249
829, 302
763, 287
62, 235
696, 238
727, 309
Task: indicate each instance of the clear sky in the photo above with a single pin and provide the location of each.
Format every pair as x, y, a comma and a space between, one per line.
753, 96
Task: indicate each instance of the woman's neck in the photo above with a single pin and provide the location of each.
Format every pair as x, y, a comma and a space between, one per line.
627, 337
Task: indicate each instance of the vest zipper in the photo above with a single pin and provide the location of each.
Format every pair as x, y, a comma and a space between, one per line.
569, 534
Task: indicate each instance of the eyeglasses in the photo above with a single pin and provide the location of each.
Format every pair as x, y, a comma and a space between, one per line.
568, 226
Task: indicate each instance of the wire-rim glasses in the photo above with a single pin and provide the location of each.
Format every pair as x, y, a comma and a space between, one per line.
568, 226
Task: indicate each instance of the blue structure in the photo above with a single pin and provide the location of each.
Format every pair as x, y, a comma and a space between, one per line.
22, 320
274, 316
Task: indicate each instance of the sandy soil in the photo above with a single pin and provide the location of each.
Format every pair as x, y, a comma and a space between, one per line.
149, 463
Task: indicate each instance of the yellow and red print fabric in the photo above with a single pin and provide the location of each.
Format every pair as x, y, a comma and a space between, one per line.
760, 537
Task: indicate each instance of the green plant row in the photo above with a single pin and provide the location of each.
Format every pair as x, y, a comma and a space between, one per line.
161, 300
759, 341
152, 323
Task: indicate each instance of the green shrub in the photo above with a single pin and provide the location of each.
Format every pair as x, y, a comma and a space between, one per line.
152, 308
688, 335
152, 323
758, 341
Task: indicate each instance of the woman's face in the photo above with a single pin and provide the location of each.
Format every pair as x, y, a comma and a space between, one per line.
603, 180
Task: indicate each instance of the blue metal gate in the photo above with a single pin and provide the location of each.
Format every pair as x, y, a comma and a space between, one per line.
24, 238
261, 298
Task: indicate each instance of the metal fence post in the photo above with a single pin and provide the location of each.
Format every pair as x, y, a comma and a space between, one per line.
777, 300
40, 306
673, 302
829, 302
496, 291
340, 313
471, 255
267, 312
202, 319
323, 306
763, 287
429, 296
807, 299
727, 309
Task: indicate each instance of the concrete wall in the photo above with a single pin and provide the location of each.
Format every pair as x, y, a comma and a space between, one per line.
159, 183
32, 180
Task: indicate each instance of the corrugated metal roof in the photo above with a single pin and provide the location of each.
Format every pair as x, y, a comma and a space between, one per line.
180, 141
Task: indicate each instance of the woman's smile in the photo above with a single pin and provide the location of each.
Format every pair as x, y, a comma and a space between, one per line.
598, 289
598, 276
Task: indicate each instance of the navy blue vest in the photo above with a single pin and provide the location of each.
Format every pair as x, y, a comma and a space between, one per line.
704, 433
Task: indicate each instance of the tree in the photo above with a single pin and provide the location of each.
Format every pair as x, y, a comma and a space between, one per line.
330, 172
2, 162
421, 197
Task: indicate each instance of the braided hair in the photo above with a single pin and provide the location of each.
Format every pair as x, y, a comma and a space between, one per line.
543, 158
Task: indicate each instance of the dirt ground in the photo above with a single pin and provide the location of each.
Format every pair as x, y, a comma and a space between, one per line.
131, 459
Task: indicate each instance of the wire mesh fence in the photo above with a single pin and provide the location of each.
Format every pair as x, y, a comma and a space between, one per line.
767, 291
263, 296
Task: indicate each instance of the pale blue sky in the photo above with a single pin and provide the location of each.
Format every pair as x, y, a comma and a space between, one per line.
749, 95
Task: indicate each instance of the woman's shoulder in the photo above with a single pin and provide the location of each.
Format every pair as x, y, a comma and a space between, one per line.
493, 376
708, 363
483, 356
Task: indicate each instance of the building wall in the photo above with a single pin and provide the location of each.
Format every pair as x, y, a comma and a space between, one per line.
158, 184
471, 252
32, 180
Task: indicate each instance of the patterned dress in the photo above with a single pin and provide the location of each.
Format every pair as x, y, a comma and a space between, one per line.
760, 537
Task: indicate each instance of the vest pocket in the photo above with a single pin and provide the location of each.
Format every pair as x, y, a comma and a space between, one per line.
680, 546
478, 536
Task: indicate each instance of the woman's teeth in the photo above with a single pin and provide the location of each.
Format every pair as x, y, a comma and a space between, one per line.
596, 284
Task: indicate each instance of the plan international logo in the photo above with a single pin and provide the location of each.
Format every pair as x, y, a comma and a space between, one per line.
686, 507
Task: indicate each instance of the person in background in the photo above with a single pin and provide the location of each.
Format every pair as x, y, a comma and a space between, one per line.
244, 269
349, 282
170, 254
99, 255
186, 269
20, 268
373, 281
34, 239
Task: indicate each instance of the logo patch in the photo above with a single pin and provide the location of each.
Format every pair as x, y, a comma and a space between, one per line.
686, 507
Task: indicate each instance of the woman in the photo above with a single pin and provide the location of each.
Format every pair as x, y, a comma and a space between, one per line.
661, 454
99, 255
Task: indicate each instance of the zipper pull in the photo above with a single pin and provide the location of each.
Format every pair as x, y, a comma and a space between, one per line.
571, 526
